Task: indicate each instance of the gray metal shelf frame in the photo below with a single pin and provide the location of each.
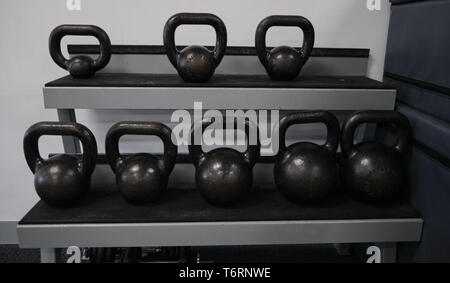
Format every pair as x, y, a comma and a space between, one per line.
65, 99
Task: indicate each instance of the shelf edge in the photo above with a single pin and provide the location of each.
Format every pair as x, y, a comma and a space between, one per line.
220, 233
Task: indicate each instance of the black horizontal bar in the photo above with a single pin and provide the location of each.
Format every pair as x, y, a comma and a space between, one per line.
231, 50
419, 83
185, 158
404, 2
182, 158
445, 161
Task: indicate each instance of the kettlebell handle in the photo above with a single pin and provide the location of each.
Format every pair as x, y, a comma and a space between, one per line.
167, 162
251, 155
307, 117
400, 122
31, 143
59, 32
297, 21
194, 19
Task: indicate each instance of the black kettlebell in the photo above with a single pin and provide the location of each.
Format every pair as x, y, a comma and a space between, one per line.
80, 66
306, 172
223, 175
62, 179
195, 63
372, 170
140, 177
284, 63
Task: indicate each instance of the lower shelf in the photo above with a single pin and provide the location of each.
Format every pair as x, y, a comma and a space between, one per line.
183, 218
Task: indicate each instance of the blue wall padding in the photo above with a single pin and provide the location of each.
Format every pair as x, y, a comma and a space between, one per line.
419, 42
430, 102
431, 132
429, 184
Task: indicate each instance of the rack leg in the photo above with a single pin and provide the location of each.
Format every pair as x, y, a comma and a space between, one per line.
71, 144
388, 252
48, 255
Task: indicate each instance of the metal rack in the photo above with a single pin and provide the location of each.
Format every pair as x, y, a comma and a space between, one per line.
119, 91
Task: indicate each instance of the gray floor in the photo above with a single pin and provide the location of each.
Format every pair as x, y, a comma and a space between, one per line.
13, 254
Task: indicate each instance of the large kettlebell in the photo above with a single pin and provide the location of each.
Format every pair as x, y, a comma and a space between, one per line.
140, 177
373, 170
80, 66
306, 172
195, 63
284, 63
223, 175
62, 179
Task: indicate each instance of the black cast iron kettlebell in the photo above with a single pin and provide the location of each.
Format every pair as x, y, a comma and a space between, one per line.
223, 175
306, 172
373, 170
284, 63
80, 66
140, 177
195, 63
62, 179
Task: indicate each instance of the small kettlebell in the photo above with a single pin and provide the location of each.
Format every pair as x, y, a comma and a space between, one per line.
372, 170
306, 172
140, 177
223, 175
80, 66
284, 63
195, 63
62, 179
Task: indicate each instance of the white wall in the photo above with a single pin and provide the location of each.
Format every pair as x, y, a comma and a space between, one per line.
25, 64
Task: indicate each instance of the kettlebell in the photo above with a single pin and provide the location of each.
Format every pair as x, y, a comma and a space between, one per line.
284, 63
372, 170
140, 177
223, 175
195, 63
61, 179
306, 172
80, 66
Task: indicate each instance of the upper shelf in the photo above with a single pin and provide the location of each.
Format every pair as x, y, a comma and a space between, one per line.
218, 81
168, 91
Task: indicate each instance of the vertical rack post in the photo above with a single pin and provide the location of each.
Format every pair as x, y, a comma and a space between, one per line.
71, 144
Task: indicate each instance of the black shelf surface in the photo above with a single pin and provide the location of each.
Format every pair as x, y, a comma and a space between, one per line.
187, 205
218, 81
